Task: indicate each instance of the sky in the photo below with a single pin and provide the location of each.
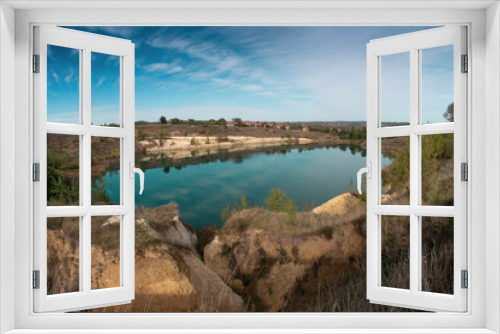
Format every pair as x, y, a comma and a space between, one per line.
255, 73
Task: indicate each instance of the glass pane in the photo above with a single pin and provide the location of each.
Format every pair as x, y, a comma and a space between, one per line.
395, 89
437, 84
396, 175
396, 252
63, 167
437, 254
105, 238
63, 255
63, 85
105, 89
437, 170
105, 171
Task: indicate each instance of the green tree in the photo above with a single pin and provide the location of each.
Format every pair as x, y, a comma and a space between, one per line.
140, 134
353, 134
221, 121
400, 170
175, 121
98, 191
278, 201
163, 120
239, 122
449, 114
160, 137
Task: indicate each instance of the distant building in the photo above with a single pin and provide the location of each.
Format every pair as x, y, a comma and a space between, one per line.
231, 123
305, 129
257, 124
287, 127
247, 123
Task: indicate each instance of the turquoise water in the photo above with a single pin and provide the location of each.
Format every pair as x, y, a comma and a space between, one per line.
311, 177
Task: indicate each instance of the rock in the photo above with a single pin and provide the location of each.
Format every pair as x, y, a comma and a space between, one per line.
271, 266
169, 278
205, 236
341, 204
162, 224
278, 283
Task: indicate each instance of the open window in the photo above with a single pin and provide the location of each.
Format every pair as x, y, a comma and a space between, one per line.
436, 61
72, 210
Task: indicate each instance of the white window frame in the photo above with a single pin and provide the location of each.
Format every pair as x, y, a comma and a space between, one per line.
484, 267
413, 44
85, 43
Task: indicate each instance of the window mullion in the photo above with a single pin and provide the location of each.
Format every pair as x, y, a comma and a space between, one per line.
85, 246
414, 167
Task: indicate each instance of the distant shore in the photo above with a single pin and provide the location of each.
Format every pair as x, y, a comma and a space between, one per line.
185, 141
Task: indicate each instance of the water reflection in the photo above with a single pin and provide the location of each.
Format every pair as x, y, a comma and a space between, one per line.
200, 157
202, 185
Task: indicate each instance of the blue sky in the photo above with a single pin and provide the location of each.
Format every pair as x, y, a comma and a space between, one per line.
256, 73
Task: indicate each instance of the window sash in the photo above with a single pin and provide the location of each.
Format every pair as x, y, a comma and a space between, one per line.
87, 43
414, 298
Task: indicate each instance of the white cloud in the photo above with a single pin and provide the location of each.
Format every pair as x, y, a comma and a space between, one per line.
69, 77
101, 81
156, 67
68, 117
55, 76
268, 93
251, 88
164, 68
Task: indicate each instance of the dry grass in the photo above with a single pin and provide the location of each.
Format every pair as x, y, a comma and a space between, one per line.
289, 225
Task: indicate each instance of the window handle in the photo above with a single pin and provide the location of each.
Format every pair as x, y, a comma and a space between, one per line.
133, 170
368, 171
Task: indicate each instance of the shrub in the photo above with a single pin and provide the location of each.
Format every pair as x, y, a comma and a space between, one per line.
238, 204
194, 141
160, 137
221, 139
140, 134
278, 201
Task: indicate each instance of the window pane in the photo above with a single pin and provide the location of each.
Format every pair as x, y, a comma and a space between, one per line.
105, 89
63, 85
395, 252
63, 255
105, 171
437, 84
63, 167
395, 89
437, 254
437, 170
105, 238
396, 176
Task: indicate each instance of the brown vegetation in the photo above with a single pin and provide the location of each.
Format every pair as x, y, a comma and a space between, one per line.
169, 275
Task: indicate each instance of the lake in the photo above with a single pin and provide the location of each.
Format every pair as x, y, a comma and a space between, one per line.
311, 177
